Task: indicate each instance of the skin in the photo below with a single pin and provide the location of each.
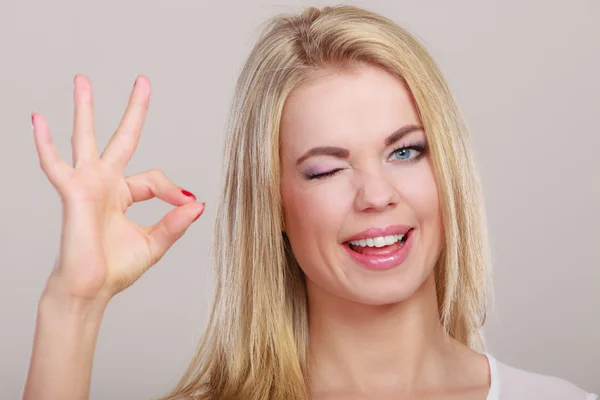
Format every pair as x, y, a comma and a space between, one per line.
102, 252
373, 334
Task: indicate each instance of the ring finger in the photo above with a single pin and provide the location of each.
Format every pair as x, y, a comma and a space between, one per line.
83, 141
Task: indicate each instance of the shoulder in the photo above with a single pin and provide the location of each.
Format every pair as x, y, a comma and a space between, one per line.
517, 384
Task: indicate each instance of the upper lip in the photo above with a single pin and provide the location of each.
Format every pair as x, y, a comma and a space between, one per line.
375, 232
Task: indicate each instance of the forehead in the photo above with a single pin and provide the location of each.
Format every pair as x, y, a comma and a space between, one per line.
360, 104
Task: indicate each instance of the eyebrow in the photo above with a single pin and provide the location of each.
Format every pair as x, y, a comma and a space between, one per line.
342, 153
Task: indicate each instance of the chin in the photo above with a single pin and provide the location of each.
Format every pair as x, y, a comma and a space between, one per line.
390, 289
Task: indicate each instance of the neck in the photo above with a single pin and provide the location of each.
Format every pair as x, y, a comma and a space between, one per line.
365, 347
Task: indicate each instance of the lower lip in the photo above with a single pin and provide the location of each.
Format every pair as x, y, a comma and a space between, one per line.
382, 263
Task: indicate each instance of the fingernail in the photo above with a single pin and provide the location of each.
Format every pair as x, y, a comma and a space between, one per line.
188, 194
32, 120
200, 213
135, 82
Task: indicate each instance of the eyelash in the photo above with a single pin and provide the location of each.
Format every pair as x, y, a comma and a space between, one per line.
419, 147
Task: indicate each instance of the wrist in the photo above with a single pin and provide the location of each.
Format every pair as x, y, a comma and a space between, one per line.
56, 299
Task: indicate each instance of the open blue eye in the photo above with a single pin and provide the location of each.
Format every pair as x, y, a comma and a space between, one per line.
402, 154
408, 153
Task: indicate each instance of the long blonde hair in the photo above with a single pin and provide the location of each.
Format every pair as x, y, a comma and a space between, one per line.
255, 344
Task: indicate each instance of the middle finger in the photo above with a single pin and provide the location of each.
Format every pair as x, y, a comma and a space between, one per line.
123, 143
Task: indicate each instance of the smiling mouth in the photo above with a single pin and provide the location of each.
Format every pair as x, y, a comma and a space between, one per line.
380, 245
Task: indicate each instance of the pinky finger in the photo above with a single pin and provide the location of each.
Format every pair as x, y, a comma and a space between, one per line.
55, 168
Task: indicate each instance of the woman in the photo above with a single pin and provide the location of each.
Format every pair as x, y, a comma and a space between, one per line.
350, 241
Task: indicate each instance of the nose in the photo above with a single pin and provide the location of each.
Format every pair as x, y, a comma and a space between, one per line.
376, 192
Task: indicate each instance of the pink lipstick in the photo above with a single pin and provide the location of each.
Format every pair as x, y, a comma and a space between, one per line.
379, 258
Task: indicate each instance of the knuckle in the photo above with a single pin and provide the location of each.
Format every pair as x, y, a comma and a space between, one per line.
156, 179
156, 171
157, 174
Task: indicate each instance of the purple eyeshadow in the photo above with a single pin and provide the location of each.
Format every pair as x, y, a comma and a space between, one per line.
316, 170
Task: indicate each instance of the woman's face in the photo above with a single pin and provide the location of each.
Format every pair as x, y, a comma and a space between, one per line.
360, 200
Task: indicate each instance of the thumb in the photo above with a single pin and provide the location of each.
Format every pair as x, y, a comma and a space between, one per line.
172, 226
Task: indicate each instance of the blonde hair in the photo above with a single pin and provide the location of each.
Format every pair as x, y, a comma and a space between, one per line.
255, 345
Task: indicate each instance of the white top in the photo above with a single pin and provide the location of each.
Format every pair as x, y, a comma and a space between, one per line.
508, 383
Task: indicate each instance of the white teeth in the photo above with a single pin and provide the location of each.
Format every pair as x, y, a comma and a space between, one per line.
379, 241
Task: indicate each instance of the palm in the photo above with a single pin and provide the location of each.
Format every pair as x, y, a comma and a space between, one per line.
99, 225
102, 252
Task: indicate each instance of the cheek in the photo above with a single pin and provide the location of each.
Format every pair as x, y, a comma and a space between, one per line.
313, 210
314, 215
418, 189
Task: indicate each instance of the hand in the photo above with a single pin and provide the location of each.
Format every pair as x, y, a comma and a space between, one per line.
102, 252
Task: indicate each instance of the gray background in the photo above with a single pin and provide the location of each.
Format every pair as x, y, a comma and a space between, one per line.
526, 74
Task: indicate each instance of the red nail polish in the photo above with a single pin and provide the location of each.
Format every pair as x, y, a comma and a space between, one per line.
199, 214
32, 118
188, 194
